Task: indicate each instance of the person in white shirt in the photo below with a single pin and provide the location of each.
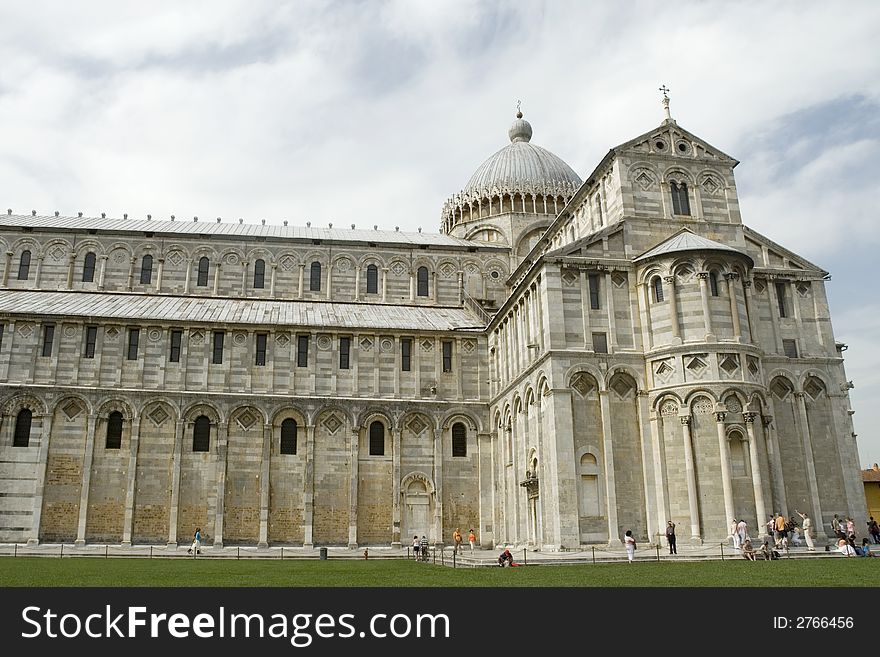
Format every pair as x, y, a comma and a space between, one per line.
808, 530
630, 543
845, 548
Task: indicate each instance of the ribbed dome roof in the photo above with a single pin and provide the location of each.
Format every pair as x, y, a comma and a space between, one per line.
521, 166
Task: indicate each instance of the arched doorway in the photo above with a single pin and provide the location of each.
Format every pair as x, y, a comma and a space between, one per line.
418, 502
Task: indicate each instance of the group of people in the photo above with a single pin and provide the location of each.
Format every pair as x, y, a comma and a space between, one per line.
457, 540
766, 552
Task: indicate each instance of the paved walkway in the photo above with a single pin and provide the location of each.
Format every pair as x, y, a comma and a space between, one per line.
444, 556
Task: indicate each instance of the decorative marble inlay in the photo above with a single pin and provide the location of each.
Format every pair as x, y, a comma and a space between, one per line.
282, 340
71, 409
332, 423
157, 416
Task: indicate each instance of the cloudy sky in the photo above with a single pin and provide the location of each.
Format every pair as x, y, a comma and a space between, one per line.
375, 112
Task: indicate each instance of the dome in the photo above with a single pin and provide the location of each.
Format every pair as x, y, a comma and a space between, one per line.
521, 166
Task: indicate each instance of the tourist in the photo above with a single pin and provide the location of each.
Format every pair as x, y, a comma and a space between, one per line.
734, 533
768, 553
808, 529
771, 526
670, 537
742, 529
472, 539
423, 548
835, 527
780, 529
415, 547
456, 539
506, 558
796, 536
866, 549
850, 527
874, 529
748, 551
845, 548
195, 548
630, 545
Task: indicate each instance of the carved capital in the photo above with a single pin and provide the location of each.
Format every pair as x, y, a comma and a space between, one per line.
747, 284
749, 417
703, 275
720, 415
800, 394
684, 419
669, 279
766, 420
731, 276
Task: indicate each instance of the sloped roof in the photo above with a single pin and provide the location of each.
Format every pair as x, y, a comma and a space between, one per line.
232, 230
209, 310
685, 240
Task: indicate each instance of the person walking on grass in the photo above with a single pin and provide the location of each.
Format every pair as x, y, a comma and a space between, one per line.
630, 543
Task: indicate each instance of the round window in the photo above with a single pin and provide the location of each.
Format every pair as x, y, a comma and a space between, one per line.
495, 274
659, 145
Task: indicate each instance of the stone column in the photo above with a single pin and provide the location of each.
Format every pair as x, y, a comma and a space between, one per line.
384, 284
777, 479
128, 521
130, 285
434, 286
438, 486
647, 332
704, 298
329, 281
812, 484
264, 486
244, 271
659, 471
175, 483
217, 267
274, 268
71, 259
40, 483
757, 483
610, 488
652, 521
673, 309
412, 286
302, 269
309, 489
612, 324
86, 481
354, 442
39, 274
159, 271
357, 283
188, 282
747, 285
395, 487
220, 464
485, 462
6, 264
731, 278
726, 486
691, 478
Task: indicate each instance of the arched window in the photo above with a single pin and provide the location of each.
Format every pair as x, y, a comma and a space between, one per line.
259, 274
588, 498
114, 430
422, 282
680, 202
713, 283
288, 436
315, 277
657, 287
377, 439
22, 428
372, 279
201, 434
459, 439
147, 270
204, 263
89, 268
24, 265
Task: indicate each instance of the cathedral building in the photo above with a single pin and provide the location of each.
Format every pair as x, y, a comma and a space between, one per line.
566, 360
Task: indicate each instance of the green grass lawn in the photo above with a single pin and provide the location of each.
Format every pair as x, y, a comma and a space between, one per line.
36, 571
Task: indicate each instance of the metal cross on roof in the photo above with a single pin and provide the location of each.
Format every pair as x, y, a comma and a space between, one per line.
665, 91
